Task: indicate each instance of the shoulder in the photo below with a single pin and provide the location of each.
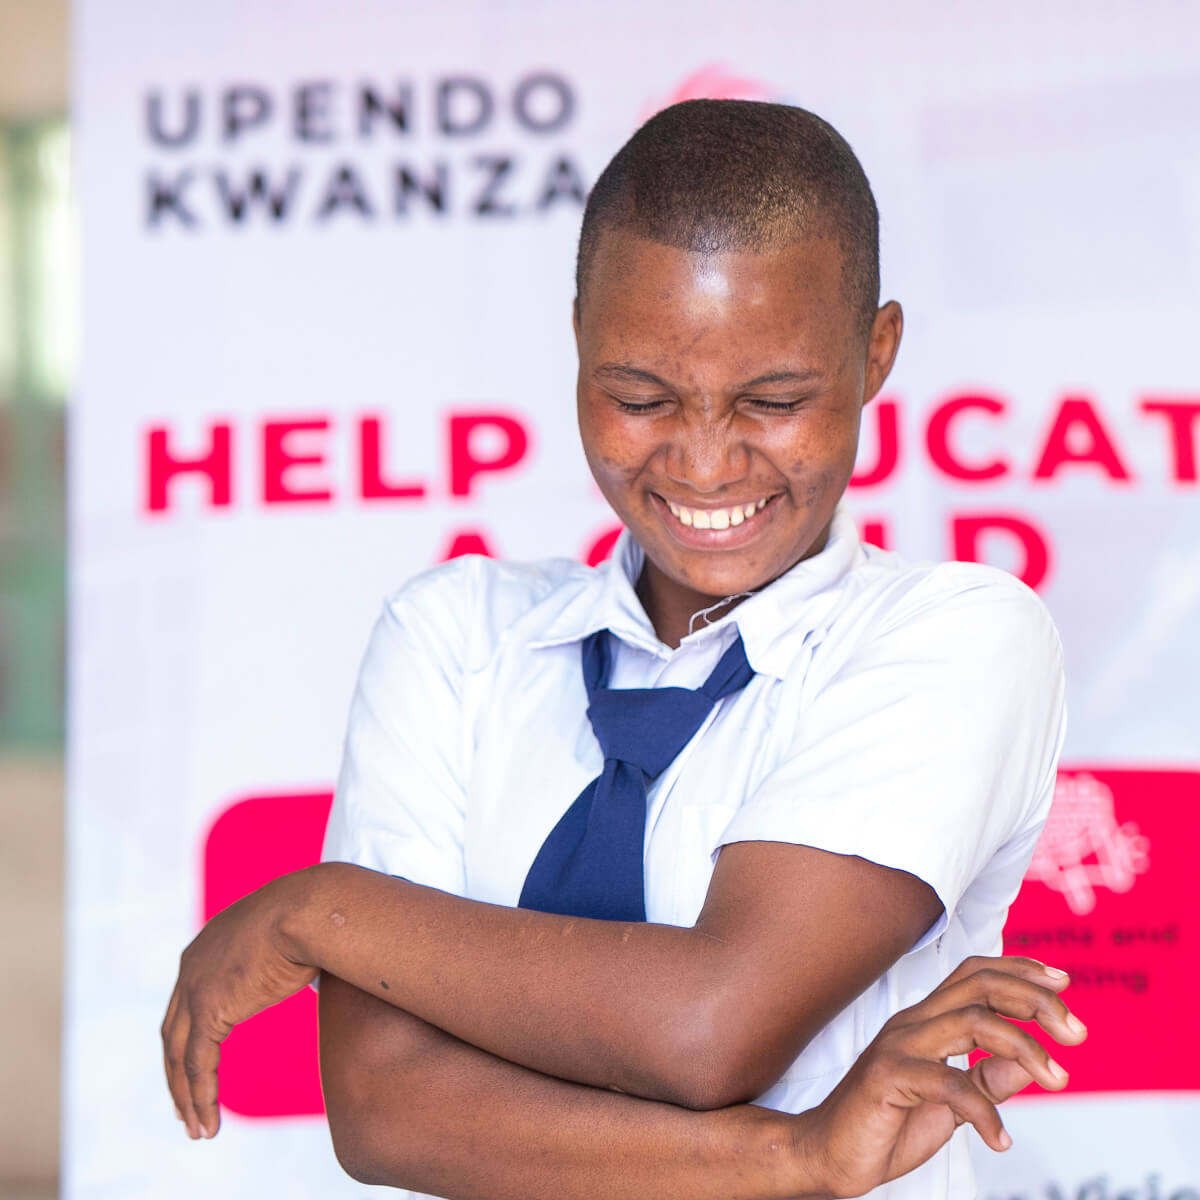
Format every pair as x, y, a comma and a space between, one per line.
476, 600
951, 609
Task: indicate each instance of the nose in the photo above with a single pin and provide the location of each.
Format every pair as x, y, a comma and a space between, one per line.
705, 456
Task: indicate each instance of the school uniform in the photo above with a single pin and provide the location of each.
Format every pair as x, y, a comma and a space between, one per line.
910, 714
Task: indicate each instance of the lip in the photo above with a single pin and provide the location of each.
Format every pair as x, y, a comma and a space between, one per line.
732, 538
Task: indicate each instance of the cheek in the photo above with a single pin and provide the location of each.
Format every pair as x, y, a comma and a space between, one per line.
824, 456
612, 448
821, 489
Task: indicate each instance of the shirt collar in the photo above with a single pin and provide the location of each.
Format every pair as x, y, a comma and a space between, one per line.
774, 622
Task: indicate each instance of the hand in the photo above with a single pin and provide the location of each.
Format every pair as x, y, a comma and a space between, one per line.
237, 965
900, 1102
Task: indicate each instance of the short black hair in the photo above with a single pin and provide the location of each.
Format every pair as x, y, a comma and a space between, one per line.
718, 175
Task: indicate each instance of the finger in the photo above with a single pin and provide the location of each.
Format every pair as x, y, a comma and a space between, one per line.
1009, 994
175, 1030
998, 1078
976, 1027
936, 1083
201, 1055
1010, 964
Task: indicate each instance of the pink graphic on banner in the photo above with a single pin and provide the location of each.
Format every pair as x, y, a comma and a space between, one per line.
1083, 848
712, 82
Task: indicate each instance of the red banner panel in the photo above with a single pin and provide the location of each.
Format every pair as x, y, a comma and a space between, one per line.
1108, 897
269, 1063
1104, 898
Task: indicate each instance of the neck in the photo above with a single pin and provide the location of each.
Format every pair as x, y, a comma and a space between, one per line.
676, 611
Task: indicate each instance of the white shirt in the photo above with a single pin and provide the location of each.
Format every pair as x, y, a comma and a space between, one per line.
908, 714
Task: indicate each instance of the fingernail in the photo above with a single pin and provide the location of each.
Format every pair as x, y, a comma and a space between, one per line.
1075, 1025
1057, 1071
1005, 1140
1055, 973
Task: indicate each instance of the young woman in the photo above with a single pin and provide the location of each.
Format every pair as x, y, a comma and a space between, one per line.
650, 841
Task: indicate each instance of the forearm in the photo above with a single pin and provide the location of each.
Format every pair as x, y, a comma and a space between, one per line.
604, 1003
410, 1106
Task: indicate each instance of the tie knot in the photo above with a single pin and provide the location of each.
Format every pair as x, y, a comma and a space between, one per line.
646, 727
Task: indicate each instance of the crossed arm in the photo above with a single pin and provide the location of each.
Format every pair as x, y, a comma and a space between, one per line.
452, 1120
701, 1017
456, 1035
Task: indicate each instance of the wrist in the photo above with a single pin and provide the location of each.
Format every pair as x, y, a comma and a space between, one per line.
299, 898
789, 1150
806, 1156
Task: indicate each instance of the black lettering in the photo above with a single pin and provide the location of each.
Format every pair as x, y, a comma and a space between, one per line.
178, 137
243, 108
496, 168
543, 102
371, 106
432, 190
257, 193
312, 112
562, 182
451, 118
165, 196
345, 190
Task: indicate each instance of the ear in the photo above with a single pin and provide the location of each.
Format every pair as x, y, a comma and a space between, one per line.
882, 347
575, 321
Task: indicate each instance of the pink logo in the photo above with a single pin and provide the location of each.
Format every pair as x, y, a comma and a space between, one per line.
1083, 848
712, 82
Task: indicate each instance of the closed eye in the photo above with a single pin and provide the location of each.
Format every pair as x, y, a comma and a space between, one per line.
638, 406
777, 405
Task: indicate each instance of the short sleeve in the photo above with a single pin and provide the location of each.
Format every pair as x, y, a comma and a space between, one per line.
399, 805
933, 744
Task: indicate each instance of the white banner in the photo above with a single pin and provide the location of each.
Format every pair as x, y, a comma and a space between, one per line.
328, 260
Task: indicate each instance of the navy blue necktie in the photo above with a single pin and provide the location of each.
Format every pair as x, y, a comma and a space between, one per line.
591, 863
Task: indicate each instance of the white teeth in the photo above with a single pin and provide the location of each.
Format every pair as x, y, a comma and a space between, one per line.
716, 518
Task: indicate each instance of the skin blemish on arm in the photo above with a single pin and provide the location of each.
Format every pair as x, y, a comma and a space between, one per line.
383, 984
338, 919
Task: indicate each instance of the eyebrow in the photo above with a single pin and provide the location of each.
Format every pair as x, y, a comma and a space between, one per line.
628, 374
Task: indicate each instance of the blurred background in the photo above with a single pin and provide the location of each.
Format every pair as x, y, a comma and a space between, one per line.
38, 273
324, 258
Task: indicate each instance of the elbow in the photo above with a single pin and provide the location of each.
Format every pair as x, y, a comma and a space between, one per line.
713, 1061
374, 1138
351, 1130
353, 1153
712, 1083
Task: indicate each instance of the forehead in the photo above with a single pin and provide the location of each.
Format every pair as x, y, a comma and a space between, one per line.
642, 295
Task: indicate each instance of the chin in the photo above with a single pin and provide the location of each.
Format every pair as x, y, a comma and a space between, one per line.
709, 579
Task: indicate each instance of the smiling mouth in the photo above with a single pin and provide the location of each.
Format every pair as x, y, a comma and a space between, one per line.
716, 518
